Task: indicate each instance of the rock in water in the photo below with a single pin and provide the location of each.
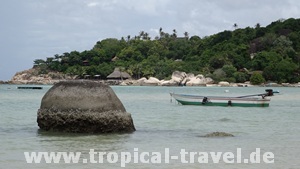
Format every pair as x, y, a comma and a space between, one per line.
218, 134
83, 107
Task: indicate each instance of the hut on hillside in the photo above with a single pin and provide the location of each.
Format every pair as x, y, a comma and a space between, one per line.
118, 75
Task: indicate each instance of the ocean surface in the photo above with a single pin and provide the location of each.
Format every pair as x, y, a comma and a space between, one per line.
160, 123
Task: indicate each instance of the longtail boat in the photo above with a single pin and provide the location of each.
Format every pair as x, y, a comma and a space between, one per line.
255, 100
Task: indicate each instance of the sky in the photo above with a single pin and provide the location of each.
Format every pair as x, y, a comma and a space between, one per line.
37, 29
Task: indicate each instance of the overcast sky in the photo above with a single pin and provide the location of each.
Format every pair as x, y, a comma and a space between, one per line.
36, 29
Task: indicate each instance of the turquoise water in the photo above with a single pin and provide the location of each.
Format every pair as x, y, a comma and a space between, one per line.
160, 124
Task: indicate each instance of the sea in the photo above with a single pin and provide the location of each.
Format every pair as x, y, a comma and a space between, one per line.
165, 130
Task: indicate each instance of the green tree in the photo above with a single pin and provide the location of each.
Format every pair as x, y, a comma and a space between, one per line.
280, 72
217, 61
111, 46
219, 75
263, 59
39, 62
257, 78
229, 70
240, 77
130, 53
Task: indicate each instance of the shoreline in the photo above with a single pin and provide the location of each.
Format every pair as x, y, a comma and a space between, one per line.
32, 77
137, 83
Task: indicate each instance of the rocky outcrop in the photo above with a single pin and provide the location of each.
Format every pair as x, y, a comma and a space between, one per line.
85, 107
179, 77
199, 80
152, 81
32, 76
224, 84
218, 134
169, 83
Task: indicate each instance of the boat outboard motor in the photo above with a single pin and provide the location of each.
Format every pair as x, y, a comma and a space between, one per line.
205, 100
269, 92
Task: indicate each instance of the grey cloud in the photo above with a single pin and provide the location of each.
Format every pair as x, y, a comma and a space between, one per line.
33, 29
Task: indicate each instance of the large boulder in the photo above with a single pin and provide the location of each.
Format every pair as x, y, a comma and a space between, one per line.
189, 76
32, 76
198, 80
178, 76
152, 81
224, 84
83, 107
169, 83
140, 81
209, 80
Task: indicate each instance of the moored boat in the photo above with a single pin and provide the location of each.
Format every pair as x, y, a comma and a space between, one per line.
256, 100
29, 87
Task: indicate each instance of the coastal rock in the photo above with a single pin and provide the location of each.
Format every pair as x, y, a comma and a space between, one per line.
141, 80
178, 77
181, 78
124, 83
242, 85
198, 80
83, 107
224, 84
32, 76
218, 134
128, 82
190, 76
152, 81
209, 80
169, 83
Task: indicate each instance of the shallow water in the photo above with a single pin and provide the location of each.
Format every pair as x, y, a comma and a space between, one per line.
160, 124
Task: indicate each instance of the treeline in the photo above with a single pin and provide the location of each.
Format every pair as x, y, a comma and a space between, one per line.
272, 52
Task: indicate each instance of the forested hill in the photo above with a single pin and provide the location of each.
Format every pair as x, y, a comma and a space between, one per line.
231, 55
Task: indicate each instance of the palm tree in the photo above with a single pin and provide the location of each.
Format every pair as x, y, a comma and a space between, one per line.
142, 33
161, 33
186, 35
128, 38
174, 33
146, 36
137, 37
235, 26
257, 26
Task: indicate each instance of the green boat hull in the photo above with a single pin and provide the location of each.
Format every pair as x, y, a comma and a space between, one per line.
224, 104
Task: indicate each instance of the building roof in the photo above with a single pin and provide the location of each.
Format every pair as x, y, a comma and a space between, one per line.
117, 74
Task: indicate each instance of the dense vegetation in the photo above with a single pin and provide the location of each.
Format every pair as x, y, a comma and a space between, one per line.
273, 51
